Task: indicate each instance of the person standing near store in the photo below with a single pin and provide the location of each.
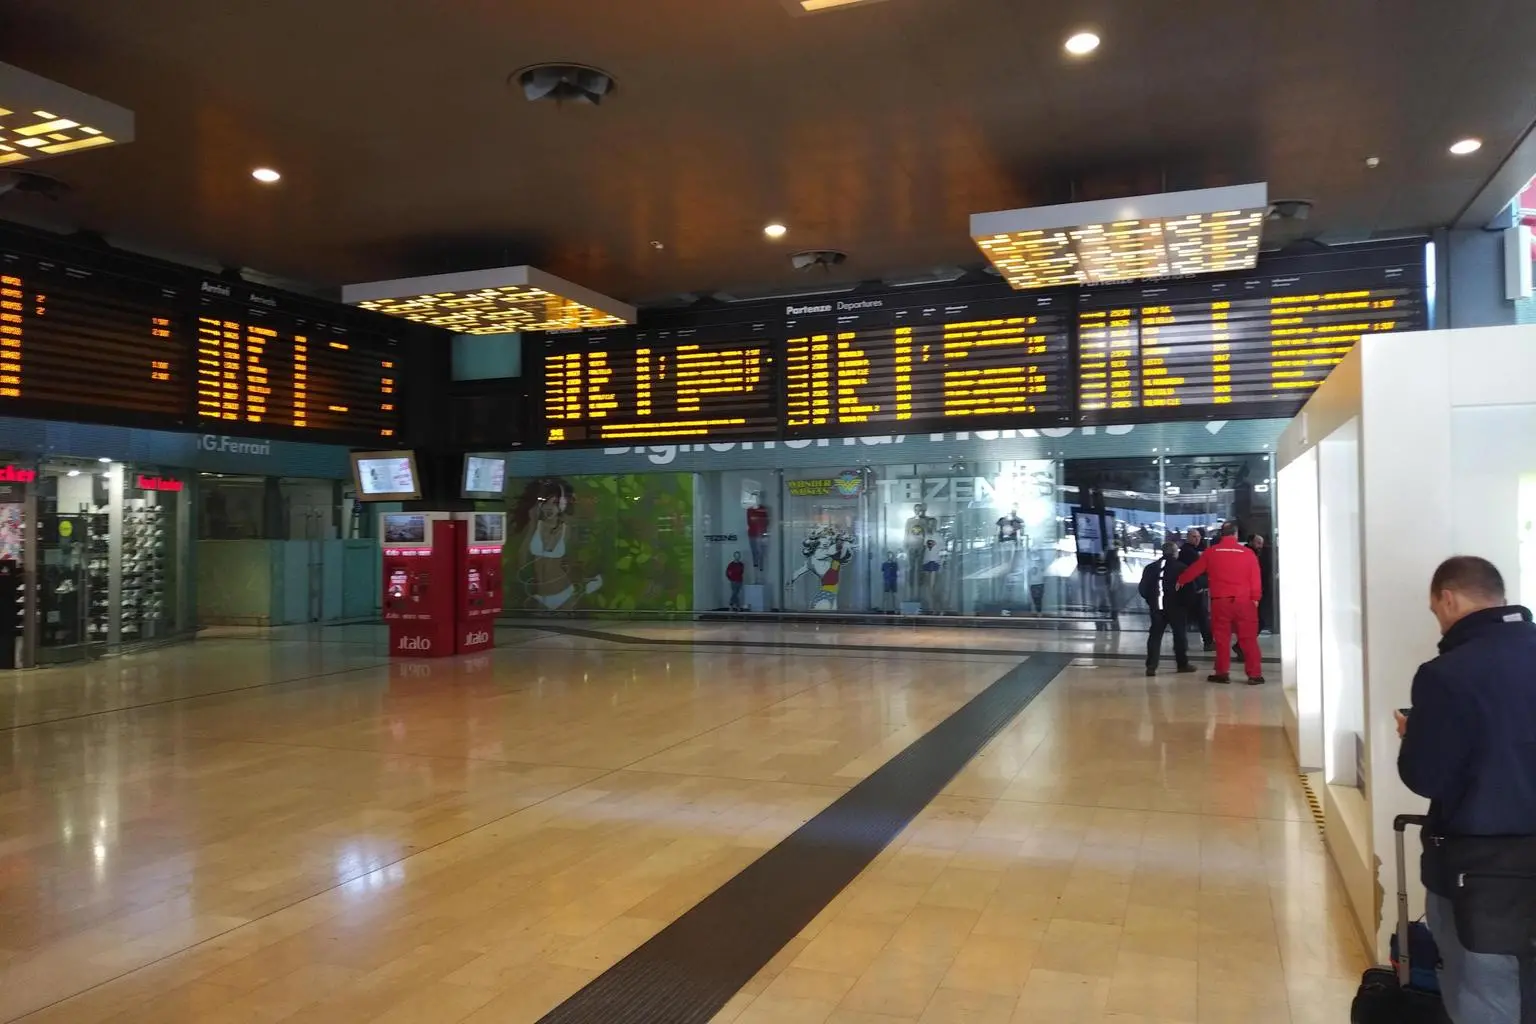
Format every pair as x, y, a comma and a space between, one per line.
1261, 550
1469, 746
1195, 597
1232, 572
1160, 589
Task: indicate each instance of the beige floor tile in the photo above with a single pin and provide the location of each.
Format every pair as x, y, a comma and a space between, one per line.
1062, 997
1079, 948
956, 1006
1159, 986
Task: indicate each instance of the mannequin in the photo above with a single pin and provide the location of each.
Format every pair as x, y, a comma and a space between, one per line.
890, 572
735, 573
1011, 540
758, 518
922, 553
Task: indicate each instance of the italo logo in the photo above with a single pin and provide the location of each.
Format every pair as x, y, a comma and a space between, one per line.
482, 637
16, 475
415, 643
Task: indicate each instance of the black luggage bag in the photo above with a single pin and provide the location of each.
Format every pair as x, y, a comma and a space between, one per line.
1388, 995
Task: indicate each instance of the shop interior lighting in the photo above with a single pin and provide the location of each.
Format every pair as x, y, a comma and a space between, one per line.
1081, 44
1172, 233
41, 118
501, 301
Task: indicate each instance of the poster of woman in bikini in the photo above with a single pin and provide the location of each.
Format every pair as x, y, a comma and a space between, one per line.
545, 554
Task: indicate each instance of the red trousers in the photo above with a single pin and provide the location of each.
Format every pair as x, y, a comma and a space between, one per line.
1233, 613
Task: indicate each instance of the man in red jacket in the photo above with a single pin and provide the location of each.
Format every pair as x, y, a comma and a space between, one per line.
1232, 571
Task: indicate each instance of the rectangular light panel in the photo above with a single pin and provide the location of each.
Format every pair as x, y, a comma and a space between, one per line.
817, 6
499, 301
41, 118
1165, 235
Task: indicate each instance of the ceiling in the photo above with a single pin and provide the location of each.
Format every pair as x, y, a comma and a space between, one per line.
876, 129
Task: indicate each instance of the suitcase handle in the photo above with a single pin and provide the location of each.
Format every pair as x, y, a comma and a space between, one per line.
1399, 827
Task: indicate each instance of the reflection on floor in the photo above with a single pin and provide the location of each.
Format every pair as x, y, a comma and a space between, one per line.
288, 828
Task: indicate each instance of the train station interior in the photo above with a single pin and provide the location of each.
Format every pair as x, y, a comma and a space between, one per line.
671, 512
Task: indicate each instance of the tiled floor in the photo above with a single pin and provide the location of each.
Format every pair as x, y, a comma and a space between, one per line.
290, 829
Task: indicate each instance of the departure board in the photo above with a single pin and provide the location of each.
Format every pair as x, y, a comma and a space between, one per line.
1263, 342
262, 367
637, 386
856, 367
71, 338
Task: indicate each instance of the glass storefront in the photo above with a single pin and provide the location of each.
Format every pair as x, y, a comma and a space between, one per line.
993, 539
103, 546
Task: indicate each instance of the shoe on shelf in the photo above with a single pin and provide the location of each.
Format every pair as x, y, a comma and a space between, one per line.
1186, 669
1214, 678
1255, 680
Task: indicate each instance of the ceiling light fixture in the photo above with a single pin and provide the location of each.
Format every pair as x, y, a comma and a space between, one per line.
40, 118
775, 230
1081, 44
103, 459
499, 301
73, 472
816, 6
1373, 162
1466, 146
1171, 233
266, 175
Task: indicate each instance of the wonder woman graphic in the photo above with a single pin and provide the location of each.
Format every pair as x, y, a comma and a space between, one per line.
826, 551
548, 574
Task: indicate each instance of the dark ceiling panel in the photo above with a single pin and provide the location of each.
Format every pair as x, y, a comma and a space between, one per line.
877, 129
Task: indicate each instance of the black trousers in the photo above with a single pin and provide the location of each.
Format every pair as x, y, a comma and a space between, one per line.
1198, 614
1174, 618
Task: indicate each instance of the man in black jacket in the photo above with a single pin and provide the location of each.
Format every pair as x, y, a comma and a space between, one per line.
1470, 747
1196, 597
1160, 589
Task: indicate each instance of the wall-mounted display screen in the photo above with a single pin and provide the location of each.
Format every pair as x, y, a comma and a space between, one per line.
72, 337
405, 528
484, 476
106, 338
977, 355
386, 476
923, 367
258, 366
632, 386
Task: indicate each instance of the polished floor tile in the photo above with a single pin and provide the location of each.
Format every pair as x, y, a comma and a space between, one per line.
285, 827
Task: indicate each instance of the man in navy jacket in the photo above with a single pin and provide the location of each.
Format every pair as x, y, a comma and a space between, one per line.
1470, 747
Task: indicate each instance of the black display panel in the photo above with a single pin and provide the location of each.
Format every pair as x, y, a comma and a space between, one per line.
1252, 346
955, 363
633, 387
72, 338
264, 367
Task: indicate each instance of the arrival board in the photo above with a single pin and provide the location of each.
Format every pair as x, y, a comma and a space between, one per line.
632, 387
72, 338
856, 367
262, 367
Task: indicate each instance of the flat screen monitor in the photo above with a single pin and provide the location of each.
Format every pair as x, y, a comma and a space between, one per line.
488, 528
405, 528
386, 476
484, 476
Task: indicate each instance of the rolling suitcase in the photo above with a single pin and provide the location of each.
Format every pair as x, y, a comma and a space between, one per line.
1405, 993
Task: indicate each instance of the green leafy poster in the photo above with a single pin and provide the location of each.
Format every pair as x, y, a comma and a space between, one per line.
620, 543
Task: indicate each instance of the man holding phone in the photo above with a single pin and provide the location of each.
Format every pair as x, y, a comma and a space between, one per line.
1470, 747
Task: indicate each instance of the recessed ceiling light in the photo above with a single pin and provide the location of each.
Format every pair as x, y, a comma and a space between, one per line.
775, 230
1373, 162
1081, 44
1466, 146
266, 175
73, 472
658, 245
103, 459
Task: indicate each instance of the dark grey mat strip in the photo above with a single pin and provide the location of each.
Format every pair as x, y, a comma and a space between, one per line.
803, 645
692, 968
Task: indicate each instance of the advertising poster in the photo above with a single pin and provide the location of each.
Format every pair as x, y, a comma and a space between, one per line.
619, 542
10, 531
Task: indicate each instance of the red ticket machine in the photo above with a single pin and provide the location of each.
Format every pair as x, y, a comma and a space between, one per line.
420, 553
479, 578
